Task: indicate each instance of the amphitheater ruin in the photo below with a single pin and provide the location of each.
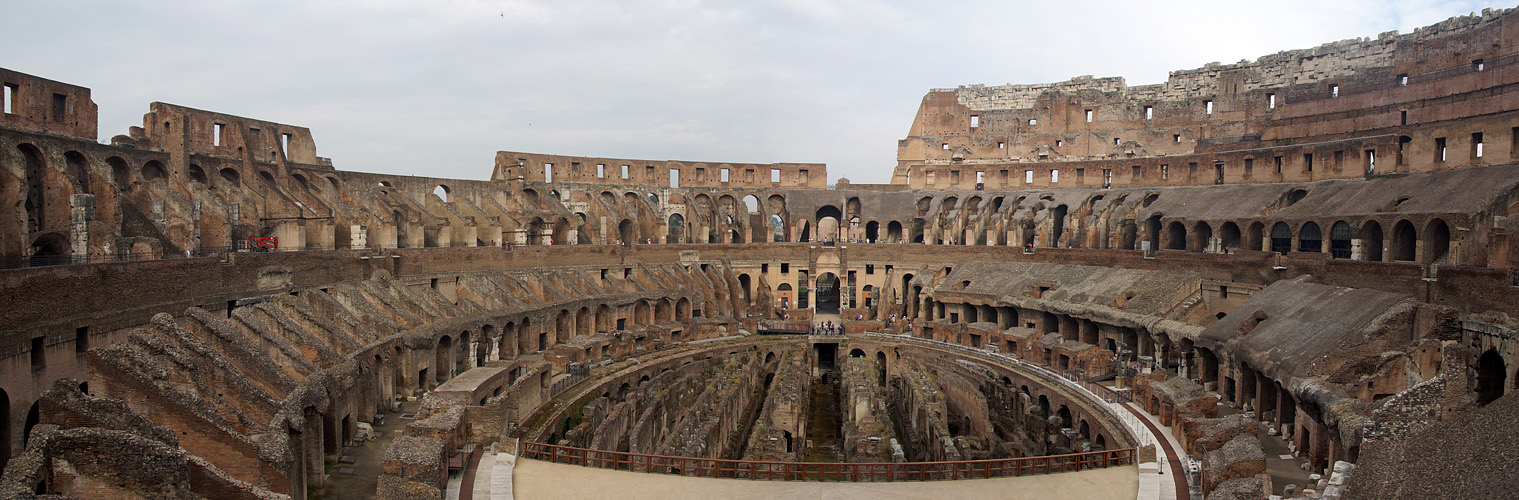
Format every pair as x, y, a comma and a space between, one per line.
1286, 277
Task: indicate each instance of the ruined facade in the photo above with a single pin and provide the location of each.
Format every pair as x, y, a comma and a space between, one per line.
1309, 249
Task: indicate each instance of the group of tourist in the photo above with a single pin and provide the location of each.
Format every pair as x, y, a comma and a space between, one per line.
827, 328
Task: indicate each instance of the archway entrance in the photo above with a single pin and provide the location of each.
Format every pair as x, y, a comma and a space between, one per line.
828, 294
1491, 374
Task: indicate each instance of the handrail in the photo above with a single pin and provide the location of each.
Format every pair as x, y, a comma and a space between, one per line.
832, 472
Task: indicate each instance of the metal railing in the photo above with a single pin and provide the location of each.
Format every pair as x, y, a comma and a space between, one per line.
829, 472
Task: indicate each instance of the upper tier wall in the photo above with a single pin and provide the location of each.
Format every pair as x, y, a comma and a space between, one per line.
1397, 96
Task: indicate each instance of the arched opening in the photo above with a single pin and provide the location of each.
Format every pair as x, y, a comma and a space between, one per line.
1176, 236
1310, 238
1436, 241
1201, 233
1492, 373
856, 353
1371, 241
1281, 238
1228, 236
677, 233
828, 294
231, 177
625, 232
441, 192
803, 232
53, 248
1404, 241
1057, 225
1403, 142
34, 417
783, 295
154, 170
745, 284
1065, 417
121, 174
563, 327
37, 214
560, 233
1152, 231
867, 294
443, 361
196, 174
893, 232
78, 169
872, 231
1254, 236
828, 217
751, 204
1339, 240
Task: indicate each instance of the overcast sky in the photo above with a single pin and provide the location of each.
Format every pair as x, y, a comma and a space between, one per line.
436, 87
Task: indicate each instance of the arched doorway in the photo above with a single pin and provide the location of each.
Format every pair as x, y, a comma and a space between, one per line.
1339, 240
626, 233
1491, 375
1176, 236
1281, 238
1228, 236
443, 359
1201, 233
677, 233
1310, 238
828, 294
1371, 241
1436, 241
1404, 241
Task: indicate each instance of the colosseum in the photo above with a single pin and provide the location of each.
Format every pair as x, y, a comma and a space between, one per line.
1279, 278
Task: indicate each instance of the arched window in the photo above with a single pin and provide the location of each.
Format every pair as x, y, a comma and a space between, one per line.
1310, 239
1339, 240
1281, 238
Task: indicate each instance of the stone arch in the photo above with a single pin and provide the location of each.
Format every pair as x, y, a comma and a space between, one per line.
1404, 241
682, 309
231, 176
441, 191
1491, 374
604, 317
642, 314
893, 232
121, 174
1228, 237
563, 326
1255, 236
197, 175
443, 359
1436, 240
746, 284
1371, 241
154, 170
1281, 238
1176, 236
1310, 239
677, 229
78, 169
1340, 236
1201, 233
584, 324
626, 232
560, 234
829, 221
1057, 225
40, 214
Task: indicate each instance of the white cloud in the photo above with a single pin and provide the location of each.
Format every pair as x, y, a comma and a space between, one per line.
398, 86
